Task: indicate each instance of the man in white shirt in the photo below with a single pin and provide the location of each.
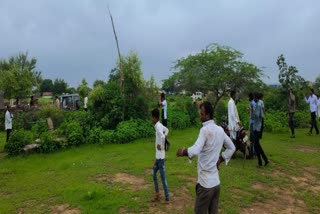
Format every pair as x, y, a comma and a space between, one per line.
233, 116
163, 104
8, 122
312, 101
161, 133
208, 146
86, 103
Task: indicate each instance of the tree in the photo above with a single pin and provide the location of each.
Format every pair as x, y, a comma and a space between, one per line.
134, 86
18, 76
46, 86
98, 83
171, 85
217, 69
83, 89
59, 86
288, 75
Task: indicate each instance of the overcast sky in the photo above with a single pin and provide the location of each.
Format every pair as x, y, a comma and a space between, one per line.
73, 39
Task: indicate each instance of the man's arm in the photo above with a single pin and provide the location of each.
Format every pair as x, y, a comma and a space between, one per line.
228, 152
195, 149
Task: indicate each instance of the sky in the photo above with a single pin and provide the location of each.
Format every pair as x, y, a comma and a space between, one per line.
73, 39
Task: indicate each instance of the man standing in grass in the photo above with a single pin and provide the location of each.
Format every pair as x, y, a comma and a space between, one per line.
312, 101
208, 147
163, 104
161, 133
292, 109
233, 116
8, 122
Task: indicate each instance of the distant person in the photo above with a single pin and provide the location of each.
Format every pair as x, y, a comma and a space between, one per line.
208, 147
8, 122
318, 106
163, 104
57, 102
233, 116
86, 103
312, 101
161, 133
257, 125
31, 102
292, 109
260, 97
252, 105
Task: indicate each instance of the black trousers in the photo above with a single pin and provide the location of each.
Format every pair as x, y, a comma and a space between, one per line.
8, 134
258, 148
291, 124
314, 123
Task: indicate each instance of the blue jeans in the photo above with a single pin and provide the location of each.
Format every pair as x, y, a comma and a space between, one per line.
159, 165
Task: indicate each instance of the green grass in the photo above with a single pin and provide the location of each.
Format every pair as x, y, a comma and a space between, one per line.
84, 178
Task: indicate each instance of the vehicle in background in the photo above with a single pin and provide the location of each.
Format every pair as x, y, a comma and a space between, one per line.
197, 96
70, 101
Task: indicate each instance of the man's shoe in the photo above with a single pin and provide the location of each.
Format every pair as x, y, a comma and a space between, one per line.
266, 163
156, 198
293, 136
309, 134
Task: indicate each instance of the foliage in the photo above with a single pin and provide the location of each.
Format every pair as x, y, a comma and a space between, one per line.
83, 118
83, 89
217, 69
178, 120
94, 136
49, 143
98, 83
56, 115
74, 134
46, 86
59, 86
18, 76
39, 128
17, 140
288, 75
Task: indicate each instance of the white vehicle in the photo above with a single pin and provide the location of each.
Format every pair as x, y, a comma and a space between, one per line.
197, 96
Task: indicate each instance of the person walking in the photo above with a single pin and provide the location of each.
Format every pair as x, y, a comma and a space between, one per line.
257, 125
57, 102
86, 103
8, 122
252, 105
161, 133
208, 147
312, 101
163, 104
233, 116
292, 109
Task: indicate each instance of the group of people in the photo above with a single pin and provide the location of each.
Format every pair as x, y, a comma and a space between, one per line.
314, 108
207, 147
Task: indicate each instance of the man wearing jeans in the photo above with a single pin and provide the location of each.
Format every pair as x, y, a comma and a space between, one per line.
312, 101
161, 133
208, 147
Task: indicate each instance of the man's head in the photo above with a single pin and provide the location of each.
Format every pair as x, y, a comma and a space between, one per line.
155, 115
311, 91
8, 107
162, 96
206, 112
233, 94
250, 96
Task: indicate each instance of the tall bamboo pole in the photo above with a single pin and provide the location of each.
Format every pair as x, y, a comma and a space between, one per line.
120, 64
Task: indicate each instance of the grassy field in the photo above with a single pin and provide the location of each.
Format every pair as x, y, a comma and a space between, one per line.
117, 179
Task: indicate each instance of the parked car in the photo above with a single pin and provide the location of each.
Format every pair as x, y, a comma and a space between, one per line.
70, 101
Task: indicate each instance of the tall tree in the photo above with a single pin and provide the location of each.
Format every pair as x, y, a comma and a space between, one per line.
18, 76
288, 75
59, 86
217, 69
83, 89
46, 86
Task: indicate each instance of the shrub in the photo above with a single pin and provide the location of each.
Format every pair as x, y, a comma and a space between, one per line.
108, 137
74, 134
39, 128
55, 114
49, 143
18, 139
179, 120
94, 136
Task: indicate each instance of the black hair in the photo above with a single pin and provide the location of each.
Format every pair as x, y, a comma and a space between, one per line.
155, 113
208, 108
250, 96
162, 95
311, 89
232, 93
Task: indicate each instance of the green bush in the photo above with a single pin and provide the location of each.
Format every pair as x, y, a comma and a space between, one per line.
55, 114
108, 137
94, 136
49, 143
18, 139
39, 128
74, 134
178, 120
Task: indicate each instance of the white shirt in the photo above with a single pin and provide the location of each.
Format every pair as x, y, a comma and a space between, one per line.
312, 100
318, 104
85, 102
161, 133
164, 107
8, 120
233, 117
208, 146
